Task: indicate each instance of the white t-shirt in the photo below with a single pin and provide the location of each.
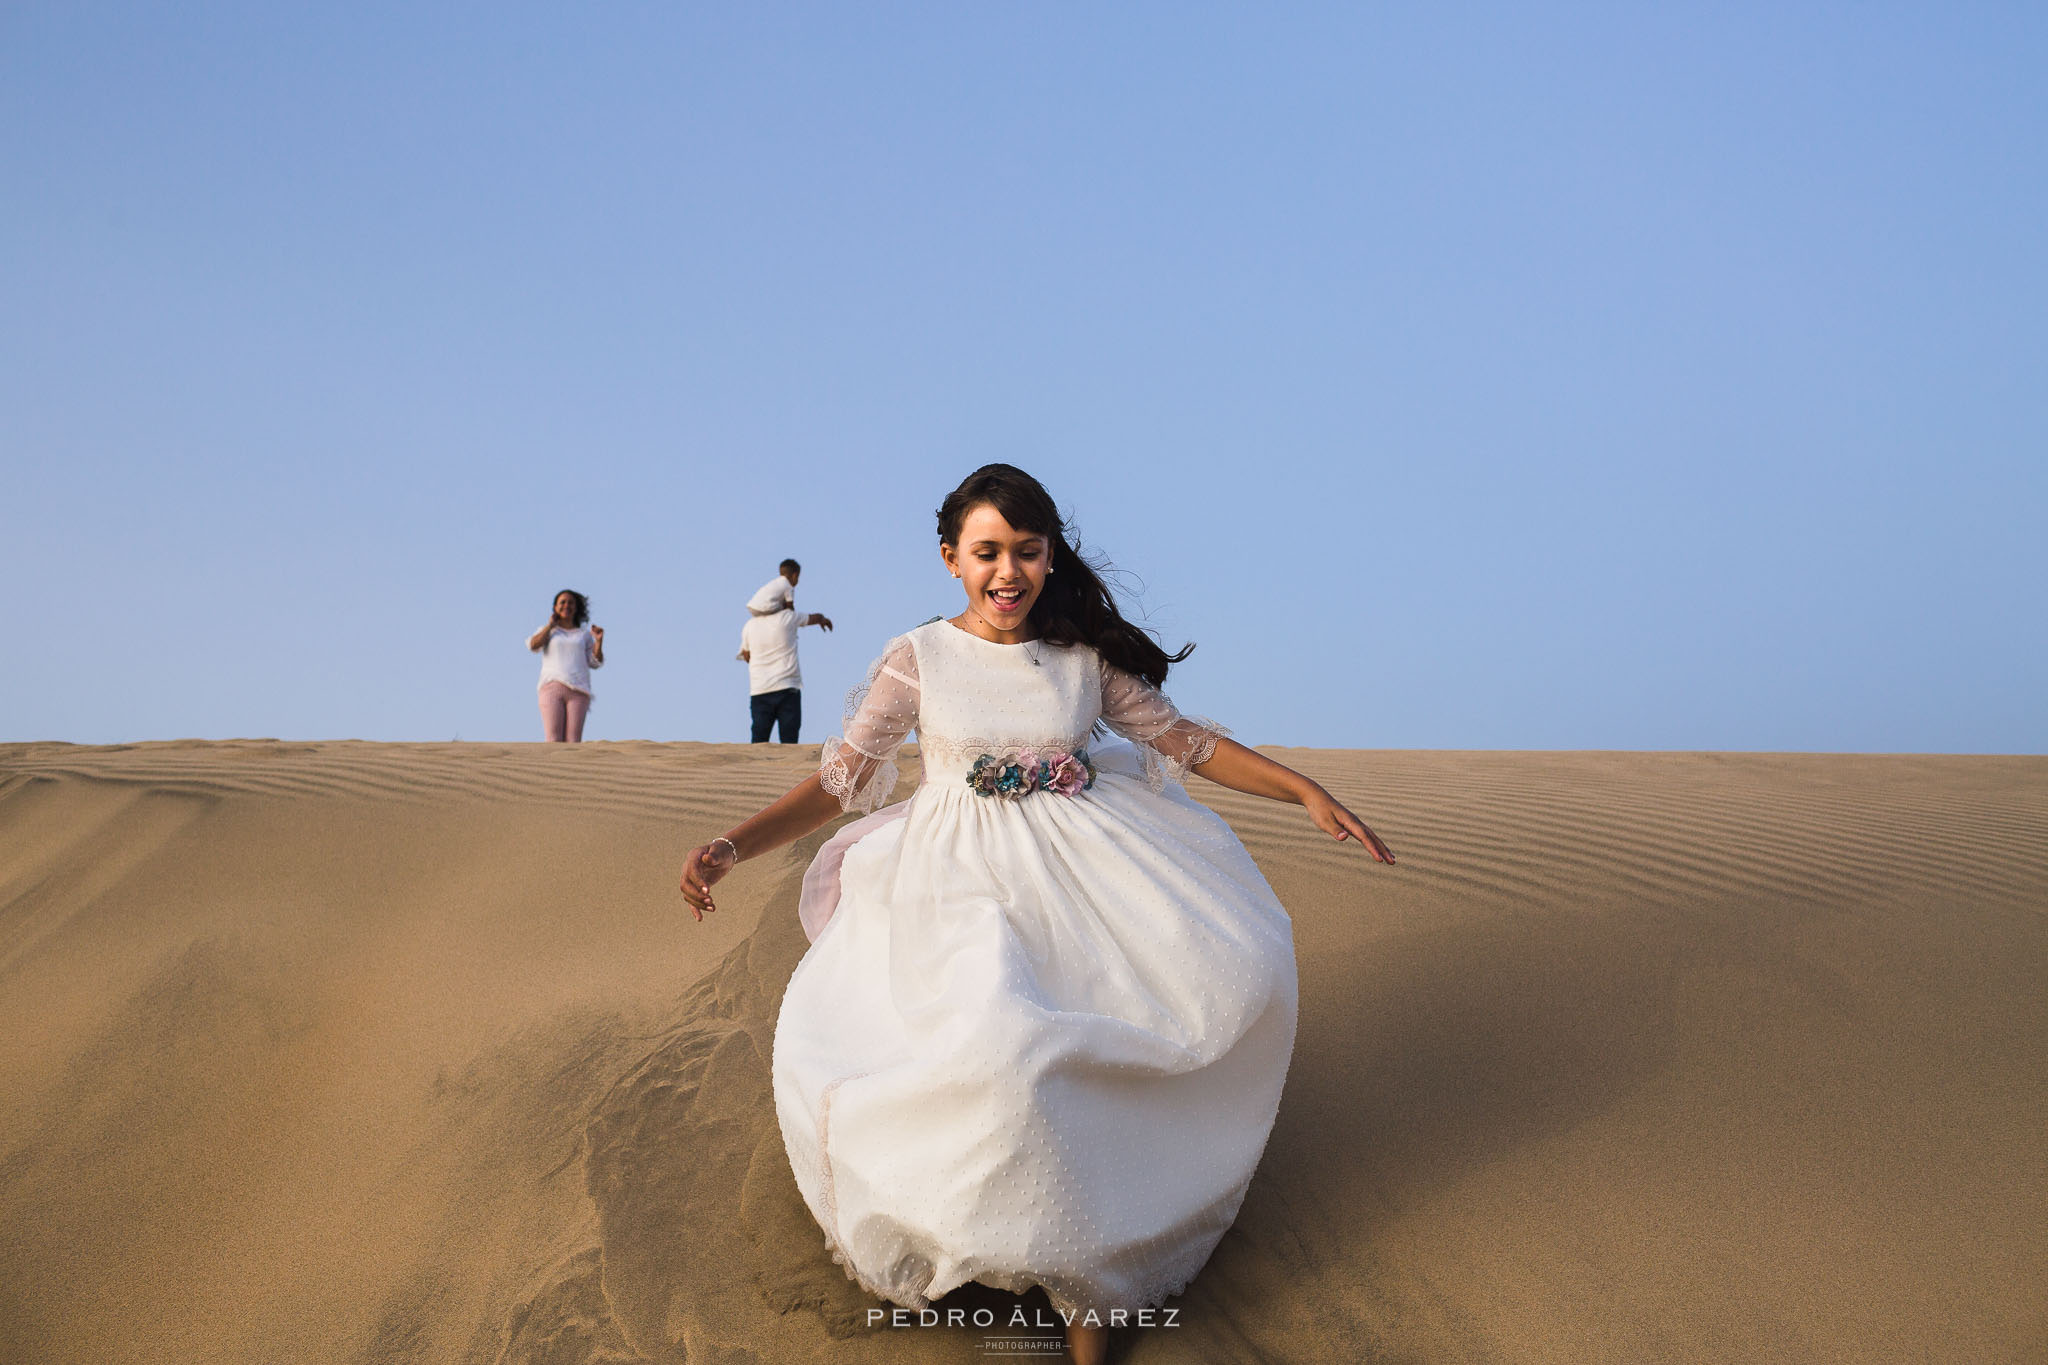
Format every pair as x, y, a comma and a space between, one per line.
770, 644
777, 593
568, 657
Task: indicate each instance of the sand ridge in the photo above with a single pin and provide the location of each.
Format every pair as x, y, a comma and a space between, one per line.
366, 1052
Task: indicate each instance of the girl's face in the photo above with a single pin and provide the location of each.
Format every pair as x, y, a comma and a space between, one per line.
1002, 568
565, 607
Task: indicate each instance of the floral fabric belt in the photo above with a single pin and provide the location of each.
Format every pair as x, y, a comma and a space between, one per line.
1014, 777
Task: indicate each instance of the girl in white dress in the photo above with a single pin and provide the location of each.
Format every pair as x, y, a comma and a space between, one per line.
1042, 964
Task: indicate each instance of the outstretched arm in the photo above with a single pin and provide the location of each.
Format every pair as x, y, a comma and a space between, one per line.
855, 773
1249, 771
795, 813
1181, 744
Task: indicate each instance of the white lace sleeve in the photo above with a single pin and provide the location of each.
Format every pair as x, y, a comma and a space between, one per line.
1169, 744
860, 768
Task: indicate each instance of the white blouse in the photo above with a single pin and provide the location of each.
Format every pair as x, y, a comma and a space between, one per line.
567, 658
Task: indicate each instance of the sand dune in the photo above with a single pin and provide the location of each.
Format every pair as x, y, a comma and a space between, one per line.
362, 1052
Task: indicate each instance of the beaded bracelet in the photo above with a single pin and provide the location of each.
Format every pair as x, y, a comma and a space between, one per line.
721, 839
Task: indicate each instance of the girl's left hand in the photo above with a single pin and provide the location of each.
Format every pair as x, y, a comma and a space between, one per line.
1333, 819
597, 634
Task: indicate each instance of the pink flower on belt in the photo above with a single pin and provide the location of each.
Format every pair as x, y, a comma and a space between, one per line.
1069, 774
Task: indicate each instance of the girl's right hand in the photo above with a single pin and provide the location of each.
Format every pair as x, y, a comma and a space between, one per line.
702, 869
1331, 817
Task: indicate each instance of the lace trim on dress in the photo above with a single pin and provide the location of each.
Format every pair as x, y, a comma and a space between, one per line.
828, 1196
863, 783
946, 749
1161, 767
1169, 744
1168, 1280
1158, 766
860, 767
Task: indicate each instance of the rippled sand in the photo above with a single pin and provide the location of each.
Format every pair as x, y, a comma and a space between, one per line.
364, 1052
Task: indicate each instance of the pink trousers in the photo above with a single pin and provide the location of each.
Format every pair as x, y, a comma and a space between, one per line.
562, 709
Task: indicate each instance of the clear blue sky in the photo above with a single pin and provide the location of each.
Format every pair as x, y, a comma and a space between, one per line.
1565, 376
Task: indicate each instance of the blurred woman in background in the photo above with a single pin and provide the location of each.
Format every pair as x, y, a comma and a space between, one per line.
569, 648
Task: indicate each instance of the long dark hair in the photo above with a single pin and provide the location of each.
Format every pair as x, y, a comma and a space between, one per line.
1075, 607
578, 601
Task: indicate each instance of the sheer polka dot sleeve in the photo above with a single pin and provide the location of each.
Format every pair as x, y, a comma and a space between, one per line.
860, 767
1169, 744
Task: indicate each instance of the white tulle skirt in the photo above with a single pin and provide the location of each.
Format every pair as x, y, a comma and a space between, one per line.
1037, 1042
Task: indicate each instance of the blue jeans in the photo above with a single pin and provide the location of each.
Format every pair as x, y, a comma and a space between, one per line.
785, 706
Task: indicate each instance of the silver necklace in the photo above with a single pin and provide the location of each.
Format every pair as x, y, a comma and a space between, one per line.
1029, 652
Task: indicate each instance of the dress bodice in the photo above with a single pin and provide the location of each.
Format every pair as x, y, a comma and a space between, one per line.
977, 697
965, 696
